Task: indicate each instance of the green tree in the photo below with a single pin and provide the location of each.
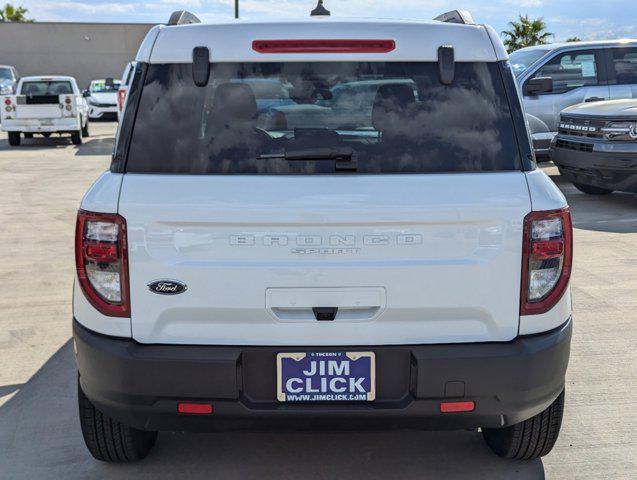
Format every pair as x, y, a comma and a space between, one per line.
9, 13
525, 33
573, 39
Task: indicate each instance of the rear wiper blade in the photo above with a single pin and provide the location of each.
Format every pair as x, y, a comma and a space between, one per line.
323, 153
344, 157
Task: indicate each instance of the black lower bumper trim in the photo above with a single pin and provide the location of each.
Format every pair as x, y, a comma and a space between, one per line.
141, 385
609, 166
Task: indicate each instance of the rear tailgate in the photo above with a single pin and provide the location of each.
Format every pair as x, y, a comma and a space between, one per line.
48, 107
406, 258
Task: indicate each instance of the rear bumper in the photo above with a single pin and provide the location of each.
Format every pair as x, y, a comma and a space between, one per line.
141, 385
50, 125
609, 165
96, 111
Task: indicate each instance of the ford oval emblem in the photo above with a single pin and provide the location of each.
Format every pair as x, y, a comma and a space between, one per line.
167, 287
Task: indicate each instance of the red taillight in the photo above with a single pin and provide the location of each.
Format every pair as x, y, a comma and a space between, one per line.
67, 100
101, 260
323, 46
449, 407
7, 101
121, 95
195, 408
547, 256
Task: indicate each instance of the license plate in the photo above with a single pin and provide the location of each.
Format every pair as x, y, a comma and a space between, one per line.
326, 377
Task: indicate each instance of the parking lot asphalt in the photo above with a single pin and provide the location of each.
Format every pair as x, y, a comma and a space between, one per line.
41, 184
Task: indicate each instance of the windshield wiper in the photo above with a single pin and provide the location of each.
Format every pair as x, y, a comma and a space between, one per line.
344, 159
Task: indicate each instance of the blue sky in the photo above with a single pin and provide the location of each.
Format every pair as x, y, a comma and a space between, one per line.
587, 19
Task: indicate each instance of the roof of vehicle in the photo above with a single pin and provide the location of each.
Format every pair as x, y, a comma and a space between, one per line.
609, 108
232, 42
47, 78
591, 43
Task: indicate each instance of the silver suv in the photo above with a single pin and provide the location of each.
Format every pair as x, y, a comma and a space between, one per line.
580, 72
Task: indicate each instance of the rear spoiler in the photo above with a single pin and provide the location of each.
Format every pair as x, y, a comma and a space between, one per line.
456, 16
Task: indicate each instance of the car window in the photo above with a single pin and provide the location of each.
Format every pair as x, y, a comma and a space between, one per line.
6, 74
101, 86
266, 89
394, 117
570, 70
624, 63
44, 87
523, 59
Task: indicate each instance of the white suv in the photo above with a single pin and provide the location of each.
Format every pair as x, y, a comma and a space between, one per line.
238, 266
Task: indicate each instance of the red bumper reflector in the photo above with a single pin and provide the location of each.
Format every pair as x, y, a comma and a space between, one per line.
448, 407
323, 46
197, 408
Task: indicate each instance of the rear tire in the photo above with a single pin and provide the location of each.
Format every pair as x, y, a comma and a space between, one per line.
590, 190
532, 438
85, 131
109, 440
76, 138
14, 139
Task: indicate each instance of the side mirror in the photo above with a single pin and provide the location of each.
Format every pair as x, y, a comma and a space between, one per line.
537, 85
86, 93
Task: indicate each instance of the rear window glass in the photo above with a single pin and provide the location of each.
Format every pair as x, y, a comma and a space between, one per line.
291, 118
37, 88
102, 86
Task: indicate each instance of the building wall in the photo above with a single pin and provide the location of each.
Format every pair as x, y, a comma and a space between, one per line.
85, 51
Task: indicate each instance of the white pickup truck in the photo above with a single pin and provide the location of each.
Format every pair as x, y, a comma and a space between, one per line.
398, 260
45, 105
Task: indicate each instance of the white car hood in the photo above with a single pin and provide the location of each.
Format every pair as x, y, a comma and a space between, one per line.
106, 97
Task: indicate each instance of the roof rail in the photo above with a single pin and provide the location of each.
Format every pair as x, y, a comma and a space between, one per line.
456, 16
182, 17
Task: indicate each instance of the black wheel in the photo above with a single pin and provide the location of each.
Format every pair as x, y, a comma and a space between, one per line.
109, 440
85, 131
76, 138
532, 438
14, 139
28, 135
590, 190
46, 134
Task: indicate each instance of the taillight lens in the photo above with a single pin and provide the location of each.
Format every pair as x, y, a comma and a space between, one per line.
101, 259
547, 256
7, 101
121, 95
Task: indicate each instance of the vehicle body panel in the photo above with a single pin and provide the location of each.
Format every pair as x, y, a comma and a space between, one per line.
412, 235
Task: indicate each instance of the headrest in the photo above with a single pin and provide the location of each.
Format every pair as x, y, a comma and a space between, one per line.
234, 102
391, 104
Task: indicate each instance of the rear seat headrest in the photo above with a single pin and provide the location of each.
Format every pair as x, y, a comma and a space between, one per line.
390, 105
234, 102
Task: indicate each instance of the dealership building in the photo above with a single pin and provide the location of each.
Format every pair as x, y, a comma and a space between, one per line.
85, 51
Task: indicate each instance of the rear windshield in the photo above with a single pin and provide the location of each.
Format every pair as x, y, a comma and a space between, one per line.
304, 118
101, 86
37, 88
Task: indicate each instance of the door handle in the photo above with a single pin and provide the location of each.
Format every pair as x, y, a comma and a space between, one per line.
594, 99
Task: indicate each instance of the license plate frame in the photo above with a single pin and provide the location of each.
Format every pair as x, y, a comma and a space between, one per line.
338, 381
